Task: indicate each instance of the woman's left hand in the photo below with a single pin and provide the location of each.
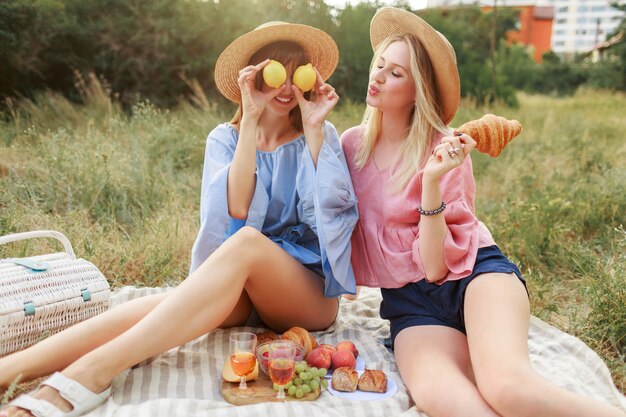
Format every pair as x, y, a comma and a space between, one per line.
449, 154
323, 99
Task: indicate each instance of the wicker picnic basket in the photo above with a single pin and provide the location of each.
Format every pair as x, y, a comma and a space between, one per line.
41, 295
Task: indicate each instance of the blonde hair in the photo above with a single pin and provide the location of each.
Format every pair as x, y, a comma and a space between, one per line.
426, 118
291, 55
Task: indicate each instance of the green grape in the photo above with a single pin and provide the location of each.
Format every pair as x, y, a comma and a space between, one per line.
306, 389
304, 375
304, 363
324, 383
288, 384
316, 379
322, 372
299, 393
299, 367
297, 381
314, 385
292, 390
313, 371
276, 387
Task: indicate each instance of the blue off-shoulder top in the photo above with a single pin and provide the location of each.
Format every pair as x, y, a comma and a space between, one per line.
309, 212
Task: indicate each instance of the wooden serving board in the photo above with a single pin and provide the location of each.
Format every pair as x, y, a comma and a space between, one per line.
259, 391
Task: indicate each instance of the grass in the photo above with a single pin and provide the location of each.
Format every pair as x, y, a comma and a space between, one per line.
124, 187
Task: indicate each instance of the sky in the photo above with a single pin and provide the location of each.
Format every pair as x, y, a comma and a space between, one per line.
415, 4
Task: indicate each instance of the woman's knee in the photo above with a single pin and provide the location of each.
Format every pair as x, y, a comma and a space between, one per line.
505, 389
432, 395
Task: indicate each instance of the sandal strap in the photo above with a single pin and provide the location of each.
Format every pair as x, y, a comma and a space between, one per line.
38, 408
81, 398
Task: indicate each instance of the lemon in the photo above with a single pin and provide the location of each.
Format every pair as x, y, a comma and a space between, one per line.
304, 77
274, 74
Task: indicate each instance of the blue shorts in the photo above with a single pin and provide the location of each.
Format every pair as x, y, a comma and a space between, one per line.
422, 303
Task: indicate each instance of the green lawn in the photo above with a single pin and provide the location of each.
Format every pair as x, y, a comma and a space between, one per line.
125, 190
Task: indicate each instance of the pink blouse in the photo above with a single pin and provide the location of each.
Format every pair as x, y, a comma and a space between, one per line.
385, 250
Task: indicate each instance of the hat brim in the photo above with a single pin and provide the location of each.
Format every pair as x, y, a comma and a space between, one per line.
319, 47
390, 21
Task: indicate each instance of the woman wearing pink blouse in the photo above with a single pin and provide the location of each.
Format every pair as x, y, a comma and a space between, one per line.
458, 308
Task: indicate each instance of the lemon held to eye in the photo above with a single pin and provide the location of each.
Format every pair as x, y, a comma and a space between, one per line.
304, 77
274, 74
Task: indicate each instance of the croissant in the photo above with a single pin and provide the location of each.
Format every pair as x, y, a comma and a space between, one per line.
302, 337
345, 379
492, 133
373, 380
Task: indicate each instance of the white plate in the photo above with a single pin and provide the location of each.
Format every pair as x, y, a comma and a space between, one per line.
360, 367
357, 395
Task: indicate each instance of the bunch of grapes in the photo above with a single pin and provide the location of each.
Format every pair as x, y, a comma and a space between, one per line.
307, 379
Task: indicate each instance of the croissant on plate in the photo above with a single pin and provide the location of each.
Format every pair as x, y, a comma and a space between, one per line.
372, 380
302, 337
492, 133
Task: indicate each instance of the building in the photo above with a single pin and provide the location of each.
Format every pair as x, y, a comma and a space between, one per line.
534, 29
578, 25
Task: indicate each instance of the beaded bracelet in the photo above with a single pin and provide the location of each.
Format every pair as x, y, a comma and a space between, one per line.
423, 212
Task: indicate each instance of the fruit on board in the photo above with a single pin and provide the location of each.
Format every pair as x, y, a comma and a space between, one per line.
319, 358
229, 375
343, 358
304, 77
274, 74
347, 345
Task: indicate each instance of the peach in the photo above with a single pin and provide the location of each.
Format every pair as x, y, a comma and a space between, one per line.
319, 358
343, 358
349, 346
328, 347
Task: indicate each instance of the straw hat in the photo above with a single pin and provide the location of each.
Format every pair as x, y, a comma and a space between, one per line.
390, 21
320, 48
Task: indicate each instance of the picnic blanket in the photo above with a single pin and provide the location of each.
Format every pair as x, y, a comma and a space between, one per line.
185, 381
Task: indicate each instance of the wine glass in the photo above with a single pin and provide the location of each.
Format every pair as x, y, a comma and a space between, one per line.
281, 364
242, 356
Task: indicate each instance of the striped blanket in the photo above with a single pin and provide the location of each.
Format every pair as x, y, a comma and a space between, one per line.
186, 381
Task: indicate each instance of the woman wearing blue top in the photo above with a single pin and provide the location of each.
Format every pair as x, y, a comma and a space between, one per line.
277, 212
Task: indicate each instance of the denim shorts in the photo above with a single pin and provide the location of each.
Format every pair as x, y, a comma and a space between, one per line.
422, 303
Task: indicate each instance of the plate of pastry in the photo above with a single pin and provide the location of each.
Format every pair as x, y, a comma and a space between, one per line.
365, 385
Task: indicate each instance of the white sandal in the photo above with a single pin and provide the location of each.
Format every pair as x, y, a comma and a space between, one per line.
81, 398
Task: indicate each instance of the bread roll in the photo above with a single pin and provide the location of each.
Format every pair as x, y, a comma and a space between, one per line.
373, 380
265, 337
345, 379
492, 133
302, 337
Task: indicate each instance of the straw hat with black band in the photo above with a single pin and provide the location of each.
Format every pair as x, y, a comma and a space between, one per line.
390, 21
319, 47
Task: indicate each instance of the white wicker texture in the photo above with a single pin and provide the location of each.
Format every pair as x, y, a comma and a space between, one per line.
35, 304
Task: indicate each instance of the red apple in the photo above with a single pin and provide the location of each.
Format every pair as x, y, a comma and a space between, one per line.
319, 358
349, 346
343, 358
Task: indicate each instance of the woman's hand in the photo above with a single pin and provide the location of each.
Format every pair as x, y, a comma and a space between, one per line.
449, 154
253, 101
323, 99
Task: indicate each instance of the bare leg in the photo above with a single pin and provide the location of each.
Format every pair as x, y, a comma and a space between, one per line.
61, 349
435, 366
284, 292
497, 318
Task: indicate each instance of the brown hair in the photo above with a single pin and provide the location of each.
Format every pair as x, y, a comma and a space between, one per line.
291, 55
